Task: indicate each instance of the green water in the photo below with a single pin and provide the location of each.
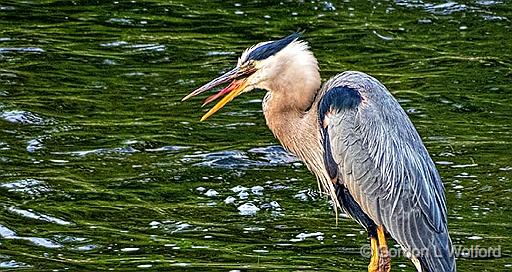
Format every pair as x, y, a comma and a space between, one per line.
103, 168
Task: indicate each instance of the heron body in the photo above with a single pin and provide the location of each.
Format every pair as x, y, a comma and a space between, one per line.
357, 140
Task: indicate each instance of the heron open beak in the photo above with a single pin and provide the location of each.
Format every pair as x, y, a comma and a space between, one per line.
235, 88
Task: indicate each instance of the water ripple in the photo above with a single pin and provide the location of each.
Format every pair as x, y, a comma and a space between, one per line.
13, 264
120, 21
6, 232
438, 9
248, 209
114, 44
99, 151
166, 148
24, 117
34, 145
224, 159
274, 154
303, 236
38, 241
38, 216
220, 53
147, 47
21, 49
27, 186
139, 47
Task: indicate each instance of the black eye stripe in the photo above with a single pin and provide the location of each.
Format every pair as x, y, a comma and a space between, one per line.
270, 49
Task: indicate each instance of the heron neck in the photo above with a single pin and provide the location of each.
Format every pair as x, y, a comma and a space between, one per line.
299, 132
290, 106
297, 129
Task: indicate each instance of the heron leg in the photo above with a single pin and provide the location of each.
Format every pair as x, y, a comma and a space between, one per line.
374, 261
384, 263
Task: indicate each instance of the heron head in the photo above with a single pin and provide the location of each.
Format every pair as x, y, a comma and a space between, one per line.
255, 66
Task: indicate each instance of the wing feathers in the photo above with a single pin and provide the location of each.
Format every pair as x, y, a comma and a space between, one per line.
382, 161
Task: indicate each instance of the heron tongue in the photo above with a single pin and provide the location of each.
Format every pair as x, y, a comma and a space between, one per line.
232, 91
222, 92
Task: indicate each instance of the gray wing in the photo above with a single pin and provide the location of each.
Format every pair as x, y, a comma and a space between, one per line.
379, 156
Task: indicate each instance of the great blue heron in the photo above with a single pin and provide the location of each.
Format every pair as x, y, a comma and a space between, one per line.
357, 140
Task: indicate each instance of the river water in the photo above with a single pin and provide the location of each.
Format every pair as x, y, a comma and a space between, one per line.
103, 168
